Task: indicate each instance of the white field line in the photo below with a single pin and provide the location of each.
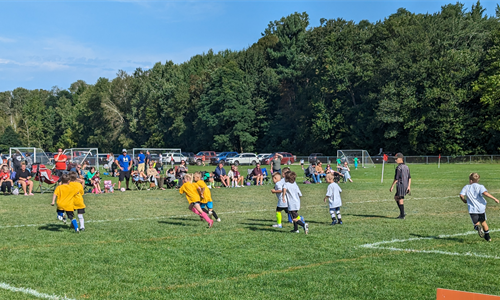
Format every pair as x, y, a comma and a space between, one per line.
32, 292
377, 245
229, 212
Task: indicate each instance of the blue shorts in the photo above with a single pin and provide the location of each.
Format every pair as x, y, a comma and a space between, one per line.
210, 205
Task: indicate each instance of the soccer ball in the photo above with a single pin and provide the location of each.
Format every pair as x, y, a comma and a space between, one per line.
122, 189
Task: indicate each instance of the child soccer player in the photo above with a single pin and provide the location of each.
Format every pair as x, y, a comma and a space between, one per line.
192, 196
278, 190
284, 171
78, 198
206, 196
64, 194
472, 194
333, 196
292, 193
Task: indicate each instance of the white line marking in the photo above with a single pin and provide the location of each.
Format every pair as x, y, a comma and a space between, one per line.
377, 245
32, 292
230, 212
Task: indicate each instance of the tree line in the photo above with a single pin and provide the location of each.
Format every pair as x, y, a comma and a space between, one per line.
415, 83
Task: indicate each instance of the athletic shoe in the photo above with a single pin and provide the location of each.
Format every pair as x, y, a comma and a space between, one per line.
127, 189
340, 222
277, 226
401, 217
59, 218
295, 231
480, 230
210, 224
210, 212
77, 231
334, 222
64, 220
82, 229
306, 228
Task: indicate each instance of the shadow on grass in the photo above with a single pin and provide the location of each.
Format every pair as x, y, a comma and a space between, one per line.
54, 227
174, 223
374, 216
253, 228
457, 239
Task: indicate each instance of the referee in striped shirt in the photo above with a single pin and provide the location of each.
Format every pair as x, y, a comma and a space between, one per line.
402, 180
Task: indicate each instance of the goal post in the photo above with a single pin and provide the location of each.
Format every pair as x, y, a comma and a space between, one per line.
364, 159
31, 155
81, 155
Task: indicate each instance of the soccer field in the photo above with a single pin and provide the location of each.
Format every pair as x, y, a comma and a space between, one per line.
147, 245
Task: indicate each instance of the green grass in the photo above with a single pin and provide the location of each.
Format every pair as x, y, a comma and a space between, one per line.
147, 245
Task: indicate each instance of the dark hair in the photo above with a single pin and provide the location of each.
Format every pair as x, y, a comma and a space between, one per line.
73, 176
291, 176
65, 178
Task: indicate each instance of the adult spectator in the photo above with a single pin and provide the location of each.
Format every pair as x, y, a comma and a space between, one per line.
141, 161
29, 161
148, 158
346, 172
221, 175
257, 174
276, 163
124, 162
182, 170
79, 174
153, 174
60, 160
319, 170
23, 177
17, 159
312, 171
5, 181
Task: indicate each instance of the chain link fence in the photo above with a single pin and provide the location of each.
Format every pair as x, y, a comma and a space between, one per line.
428, 159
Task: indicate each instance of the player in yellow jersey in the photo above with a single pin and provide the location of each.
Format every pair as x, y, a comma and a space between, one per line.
64, 194
206, 203
193, 197
78, 198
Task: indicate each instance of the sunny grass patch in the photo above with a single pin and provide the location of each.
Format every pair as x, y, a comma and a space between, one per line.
147, 245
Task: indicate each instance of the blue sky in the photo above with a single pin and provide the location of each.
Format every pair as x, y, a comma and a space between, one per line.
54, 43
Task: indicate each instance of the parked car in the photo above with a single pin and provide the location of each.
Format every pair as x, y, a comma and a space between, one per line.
243, 159
287, 159
208, 156
178, 157
262, 156
190, 159
222, 157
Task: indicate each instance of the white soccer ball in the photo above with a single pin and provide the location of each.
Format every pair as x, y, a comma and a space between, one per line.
15, 192
122, 189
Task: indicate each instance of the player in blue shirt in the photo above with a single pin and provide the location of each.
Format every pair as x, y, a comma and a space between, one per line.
124, 163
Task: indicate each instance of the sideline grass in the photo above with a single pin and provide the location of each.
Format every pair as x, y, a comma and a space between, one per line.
147, 245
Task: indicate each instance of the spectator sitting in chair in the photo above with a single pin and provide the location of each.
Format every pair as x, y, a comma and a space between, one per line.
182, 170
80, 178
23, 177
152, 174
220, 174
312, 171
257, 174
319, 170
5, 181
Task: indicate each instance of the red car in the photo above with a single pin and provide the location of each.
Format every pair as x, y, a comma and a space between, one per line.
208, 156
287, 159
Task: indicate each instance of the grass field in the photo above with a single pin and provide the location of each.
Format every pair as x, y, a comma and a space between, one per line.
147, 245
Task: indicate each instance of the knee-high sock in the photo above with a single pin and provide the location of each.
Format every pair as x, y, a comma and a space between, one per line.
214, 214
195, 211
278, 217
206, 218
205, 210
401, 209
290, 220
299, 222
75, 225
82, 221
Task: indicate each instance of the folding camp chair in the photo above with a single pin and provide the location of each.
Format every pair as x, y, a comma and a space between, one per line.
44, 176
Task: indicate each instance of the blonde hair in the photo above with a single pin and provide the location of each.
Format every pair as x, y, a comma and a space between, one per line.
329, 176
474, 177
197, 175
188, 177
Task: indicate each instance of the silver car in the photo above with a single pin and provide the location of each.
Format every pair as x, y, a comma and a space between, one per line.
243, 159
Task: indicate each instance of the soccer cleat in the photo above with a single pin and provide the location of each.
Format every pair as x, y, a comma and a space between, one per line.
82, 229
340, 222
64, 220
306, 228
210, 224
480, 230
294, 231
60, 218
277, 226
218, 219
334, 222
401, 217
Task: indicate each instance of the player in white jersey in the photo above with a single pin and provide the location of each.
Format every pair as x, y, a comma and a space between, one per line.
278, 190
472, 194
291, 195
333, 196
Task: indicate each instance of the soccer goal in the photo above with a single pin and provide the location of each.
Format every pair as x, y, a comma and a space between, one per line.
364, 159
31, 155
81, 155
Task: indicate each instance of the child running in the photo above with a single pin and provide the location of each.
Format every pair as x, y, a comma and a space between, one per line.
192, 196
278, 190
206, 196
333, 196
78, 198
292, 194
64, 194
472, 194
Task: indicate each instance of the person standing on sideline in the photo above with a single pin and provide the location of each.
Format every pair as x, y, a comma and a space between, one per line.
148, 158
60, 160
141, 161
124, 163
402, 180
276, 163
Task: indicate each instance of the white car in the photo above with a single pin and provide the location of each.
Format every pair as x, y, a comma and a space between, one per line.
261, 156
178, 157
243, 159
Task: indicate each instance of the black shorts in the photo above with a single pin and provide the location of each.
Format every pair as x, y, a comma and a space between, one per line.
294, 214
400, 191
80, 210
123, 175
70, 215
477, 218
282, 208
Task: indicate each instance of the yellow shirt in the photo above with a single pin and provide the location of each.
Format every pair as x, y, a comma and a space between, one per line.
207, 196
78, 198
191, 191
65, 194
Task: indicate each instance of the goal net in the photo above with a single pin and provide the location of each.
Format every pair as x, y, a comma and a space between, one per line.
81, 155
30, 155
364, 159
